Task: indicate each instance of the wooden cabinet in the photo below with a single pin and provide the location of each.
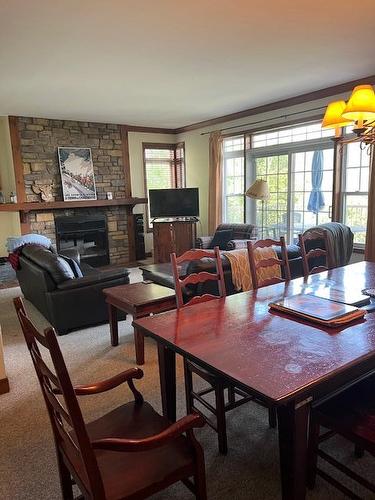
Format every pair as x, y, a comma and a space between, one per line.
172, 236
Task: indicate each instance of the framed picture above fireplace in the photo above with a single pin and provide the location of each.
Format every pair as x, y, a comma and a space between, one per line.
77, 173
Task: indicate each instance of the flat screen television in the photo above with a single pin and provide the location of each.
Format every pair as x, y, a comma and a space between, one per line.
183, 202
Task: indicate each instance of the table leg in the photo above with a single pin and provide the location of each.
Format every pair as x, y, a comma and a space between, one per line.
293, 438
167, 373
113, 324
139, 342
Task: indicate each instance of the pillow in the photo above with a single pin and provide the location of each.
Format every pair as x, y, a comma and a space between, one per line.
73, 266
221, 239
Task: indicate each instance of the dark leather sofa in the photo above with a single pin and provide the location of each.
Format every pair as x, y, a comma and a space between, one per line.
49, 281
240, 234
162, 273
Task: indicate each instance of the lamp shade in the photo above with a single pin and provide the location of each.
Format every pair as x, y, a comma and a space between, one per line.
361, 105
333, 115
259, 190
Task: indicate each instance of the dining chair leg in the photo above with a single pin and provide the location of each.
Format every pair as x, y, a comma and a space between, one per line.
312, 460
220, 418
272, 417
200, 483
231, 395
65, 479
188, 388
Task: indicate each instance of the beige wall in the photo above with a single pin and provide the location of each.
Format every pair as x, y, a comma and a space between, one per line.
196, 145
137, 170
9, 221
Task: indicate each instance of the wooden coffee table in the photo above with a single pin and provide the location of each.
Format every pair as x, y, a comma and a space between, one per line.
139, 300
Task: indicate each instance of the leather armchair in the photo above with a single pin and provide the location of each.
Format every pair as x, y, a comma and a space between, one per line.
66, 301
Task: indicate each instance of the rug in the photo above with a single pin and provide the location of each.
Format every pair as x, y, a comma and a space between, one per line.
27, 460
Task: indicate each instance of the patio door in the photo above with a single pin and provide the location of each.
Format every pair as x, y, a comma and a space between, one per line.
309, 208
290, 179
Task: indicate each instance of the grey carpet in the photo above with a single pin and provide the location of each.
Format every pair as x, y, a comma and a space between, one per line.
27, 460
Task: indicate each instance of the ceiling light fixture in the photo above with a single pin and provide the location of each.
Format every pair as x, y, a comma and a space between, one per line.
358, 112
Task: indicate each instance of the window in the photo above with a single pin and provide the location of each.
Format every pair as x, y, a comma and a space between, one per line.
284, 158
355, 190
234, 179
164, 167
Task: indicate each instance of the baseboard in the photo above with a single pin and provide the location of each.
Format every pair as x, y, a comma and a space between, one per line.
4, 386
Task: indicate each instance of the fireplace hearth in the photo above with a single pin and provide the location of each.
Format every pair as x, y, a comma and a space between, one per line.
87, 233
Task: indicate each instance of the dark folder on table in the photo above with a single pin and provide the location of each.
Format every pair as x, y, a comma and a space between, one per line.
320, 310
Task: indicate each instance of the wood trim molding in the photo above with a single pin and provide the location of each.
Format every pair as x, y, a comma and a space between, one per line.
124, 130
17, 158
4, 385
150, 130
284, 103
126, 160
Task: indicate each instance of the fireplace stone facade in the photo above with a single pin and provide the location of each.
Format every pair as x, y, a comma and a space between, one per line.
40, 138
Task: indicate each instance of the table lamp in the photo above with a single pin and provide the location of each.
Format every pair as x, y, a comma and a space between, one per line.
259, 191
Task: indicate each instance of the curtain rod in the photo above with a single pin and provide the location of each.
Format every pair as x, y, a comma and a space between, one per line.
265, 120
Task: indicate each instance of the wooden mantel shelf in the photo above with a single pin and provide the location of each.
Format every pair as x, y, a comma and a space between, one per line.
65, 205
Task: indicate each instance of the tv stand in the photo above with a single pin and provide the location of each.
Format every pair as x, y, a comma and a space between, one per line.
173, 235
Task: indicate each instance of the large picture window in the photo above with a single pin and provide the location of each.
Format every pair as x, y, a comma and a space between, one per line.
355, 190
234, 179
164, 167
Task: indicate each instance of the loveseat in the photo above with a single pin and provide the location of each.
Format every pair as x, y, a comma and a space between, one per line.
236, 237
68, 293
340, 238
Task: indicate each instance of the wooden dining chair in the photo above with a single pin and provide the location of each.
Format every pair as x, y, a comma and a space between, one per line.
351, 414
257, 265
217, 385
131, 452
308, 252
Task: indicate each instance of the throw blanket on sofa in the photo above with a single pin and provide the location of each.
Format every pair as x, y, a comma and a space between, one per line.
340, 241
239, 263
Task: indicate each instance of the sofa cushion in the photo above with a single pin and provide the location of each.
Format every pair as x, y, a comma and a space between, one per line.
56, 266
73, 266
221, 239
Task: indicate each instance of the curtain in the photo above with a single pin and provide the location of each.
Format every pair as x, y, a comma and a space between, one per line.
370, 232
215, 190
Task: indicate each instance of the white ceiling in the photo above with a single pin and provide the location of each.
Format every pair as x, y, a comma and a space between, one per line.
171, 63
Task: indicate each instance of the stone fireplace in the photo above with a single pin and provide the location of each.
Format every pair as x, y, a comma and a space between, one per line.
39, 140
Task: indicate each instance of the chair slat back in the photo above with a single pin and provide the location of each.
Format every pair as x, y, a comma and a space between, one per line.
311, 236
269, 262
197, 278
62, 406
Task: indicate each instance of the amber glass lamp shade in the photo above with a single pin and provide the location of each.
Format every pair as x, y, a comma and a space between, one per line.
333, 116
361, 105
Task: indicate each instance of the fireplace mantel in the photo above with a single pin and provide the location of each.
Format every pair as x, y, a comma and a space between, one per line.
64, 205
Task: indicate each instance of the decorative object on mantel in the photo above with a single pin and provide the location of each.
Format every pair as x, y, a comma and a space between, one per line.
13, 197
45, 191
77, 173
109, 195
359, 112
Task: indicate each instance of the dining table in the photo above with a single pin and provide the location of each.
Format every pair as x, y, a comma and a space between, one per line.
291, 363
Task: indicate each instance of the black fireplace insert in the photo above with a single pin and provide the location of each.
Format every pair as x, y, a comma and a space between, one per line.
87, 233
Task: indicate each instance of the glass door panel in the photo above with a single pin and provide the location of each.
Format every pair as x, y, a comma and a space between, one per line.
272, 215
303, 216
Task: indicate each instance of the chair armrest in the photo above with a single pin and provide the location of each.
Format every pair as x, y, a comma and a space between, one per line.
203, 242
185, 424
93, 279
110, 383
237, 244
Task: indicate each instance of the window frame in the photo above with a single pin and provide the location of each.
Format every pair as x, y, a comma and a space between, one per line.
169, 147
344, 193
